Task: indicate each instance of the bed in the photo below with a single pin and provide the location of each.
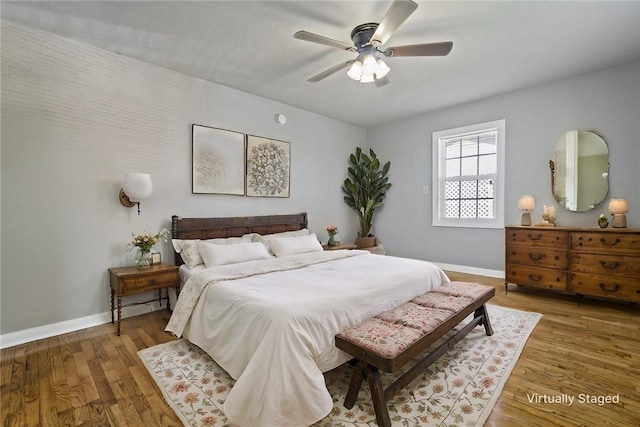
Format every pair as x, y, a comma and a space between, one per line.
270, 322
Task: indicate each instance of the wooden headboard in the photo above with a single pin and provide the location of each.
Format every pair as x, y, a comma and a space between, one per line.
234, 226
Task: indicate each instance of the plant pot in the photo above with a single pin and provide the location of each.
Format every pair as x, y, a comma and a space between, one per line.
365, 242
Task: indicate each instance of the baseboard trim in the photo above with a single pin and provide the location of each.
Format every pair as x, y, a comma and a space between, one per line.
46, 331
471, 270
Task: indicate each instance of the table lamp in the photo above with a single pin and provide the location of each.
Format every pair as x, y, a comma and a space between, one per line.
618, 208
526, 205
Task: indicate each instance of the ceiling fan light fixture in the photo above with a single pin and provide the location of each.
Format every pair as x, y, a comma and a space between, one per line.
368, 42
355, 72
382, 69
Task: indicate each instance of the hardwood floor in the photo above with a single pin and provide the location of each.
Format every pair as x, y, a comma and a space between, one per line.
94, 378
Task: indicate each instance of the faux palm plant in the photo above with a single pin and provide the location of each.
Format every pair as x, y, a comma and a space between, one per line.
365, 188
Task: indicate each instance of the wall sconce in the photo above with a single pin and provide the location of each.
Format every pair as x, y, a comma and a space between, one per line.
526, 205
137, 187
618, 207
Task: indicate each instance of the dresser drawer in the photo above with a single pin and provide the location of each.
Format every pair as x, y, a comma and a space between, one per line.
608, 242
129, 285
616, 265
606, 286
537, 257
538, 277
547, 238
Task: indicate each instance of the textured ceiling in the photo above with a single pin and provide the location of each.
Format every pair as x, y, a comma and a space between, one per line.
498, 46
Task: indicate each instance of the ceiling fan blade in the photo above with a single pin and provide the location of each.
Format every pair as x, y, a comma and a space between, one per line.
382, 82
399, 11
330, 71
315, 38
425, 49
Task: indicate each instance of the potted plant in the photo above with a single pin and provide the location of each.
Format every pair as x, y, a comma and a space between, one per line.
365, 189
603, 221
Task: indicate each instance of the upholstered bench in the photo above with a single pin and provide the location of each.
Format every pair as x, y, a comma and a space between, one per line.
391, 339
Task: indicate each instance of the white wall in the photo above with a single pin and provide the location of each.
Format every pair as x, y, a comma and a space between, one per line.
607, 102
76, 118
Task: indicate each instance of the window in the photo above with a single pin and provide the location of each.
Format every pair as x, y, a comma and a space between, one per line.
468, 176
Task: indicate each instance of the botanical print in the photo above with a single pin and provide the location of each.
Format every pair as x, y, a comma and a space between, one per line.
218, 161
459, 389
268, 163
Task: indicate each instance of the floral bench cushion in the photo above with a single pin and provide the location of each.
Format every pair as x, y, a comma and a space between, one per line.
464, 289
392, 332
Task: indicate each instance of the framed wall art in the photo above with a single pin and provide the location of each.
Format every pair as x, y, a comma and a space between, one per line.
268, 167
218, 165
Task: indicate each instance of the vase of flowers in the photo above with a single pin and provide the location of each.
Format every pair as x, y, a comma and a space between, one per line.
145, 242
332, 230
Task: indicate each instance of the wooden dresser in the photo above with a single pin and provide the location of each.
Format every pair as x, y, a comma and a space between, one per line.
595, 262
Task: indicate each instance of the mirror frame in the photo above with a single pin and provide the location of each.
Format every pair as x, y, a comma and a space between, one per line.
552, 167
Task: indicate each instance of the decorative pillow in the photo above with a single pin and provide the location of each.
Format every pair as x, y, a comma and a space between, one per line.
265, 239
285, 246
189, 253
214, 255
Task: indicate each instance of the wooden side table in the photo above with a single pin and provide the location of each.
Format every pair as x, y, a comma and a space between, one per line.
126, 281
338, 246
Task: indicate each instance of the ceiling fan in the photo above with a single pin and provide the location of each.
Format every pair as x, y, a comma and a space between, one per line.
368, 39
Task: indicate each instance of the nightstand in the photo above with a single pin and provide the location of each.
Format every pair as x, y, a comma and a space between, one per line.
338, 246
126, 281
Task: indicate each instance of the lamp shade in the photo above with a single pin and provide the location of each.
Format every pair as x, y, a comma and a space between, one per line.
369, 64
355, 72
618, 206
527, 203
383, 69
137, 186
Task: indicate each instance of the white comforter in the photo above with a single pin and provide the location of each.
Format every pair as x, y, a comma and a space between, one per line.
274, 331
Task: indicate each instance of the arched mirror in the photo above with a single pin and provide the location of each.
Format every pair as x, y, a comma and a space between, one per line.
580, 170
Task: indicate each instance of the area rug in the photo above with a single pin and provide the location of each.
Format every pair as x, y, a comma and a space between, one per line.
460, 389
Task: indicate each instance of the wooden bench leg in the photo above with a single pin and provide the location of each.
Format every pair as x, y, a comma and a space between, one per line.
482, 311
356, 383
377, 396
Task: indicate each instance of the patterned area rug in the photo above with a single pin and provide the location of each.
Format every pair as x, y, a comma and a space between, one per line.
460, 389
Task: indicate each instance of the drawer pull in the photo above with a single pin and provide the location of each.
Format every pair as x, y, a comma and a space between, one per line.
538, 237
604, 242
615, 288
535, 257
612, 265
152, 282
535, 277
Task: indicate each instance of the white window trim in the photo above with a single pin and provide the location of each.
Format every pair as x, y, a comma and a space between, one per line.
438, 177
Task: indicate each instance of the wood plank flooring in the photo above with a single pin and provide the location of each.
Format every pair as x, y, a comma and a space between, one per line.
92, 377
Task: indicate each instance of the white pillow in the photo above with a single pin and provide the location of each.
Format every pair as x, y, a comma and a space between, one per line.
189, 253
268, 237
214, 255
285, 246
227, 240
